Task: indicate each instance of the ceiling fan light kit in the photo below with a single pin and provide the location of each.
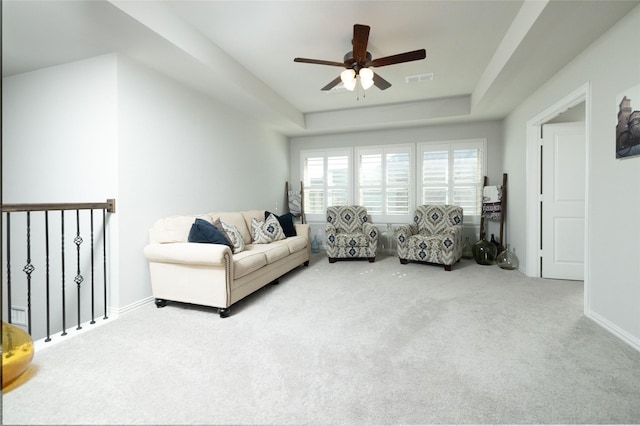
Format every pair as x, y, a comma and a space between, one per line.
358, 63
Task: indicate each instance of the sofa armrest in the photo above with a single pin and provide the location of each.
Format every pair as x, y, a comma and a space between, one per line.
188, 253
303, 229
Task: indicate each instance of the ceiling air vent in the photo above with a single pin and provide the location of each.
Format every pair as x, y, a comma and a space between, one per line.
419, 78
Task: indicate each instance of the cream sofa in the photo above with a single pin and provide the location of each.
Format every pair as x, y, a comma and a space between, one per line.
210, 274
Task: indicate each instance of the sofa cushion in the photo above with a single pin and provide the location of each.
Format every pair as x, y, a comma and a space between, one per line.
267, 231
273, 251
294, 244
247, 261
286, 222
233, 235
203, 231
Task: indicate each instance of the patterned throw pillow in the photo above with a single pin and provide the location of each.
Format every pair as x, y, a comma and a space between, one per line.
234, 236
267, 231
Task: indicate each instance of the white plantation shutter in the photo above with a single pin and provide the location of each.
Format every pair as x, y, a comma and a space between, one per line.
467, 179
385, 181
452, 174
397, 183
370, 178
435, 174
326, 180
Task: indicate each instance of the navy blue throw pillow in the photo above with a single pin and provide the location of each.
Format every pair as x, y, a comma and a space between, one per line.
205, 232
286, 222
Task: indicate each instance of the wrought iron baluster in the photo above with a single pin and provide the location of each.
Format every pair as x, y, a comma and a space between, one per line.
9, 267
28, 269
104, 258
78, 279
93, 314
64, 304
46, 239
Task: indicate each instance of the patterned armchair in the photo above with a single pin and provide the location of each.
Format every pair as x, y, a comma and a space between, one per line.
435, 236
350, 234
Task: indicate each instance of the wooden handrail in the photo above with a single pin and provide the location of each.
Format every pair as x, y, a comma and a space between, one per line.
110, 206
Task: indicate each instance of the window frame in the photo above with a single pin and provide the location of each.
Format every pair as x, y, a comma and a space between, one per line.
451, 146
325, 155
384, 150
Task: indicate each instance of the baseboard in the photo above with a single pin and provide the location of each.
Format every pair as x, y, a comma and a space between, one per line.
632, 341
71, 332
131, 307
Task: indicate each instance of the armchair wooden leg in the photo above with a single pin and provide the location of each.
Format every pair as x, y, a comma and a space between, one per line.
372, 259
447, 267
404, 261
332, 260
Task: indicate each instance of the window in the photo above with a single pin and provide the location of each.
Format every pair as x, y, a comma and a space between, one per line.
391, 180
326, 180
385, 181
452, 173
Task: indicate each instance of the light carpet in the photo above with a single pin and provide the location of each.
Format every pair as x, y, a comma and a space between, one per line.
347, 343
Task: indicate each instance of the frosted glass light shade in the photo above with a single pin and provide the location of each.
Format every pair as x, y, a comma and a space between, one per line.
348, 78
366, 78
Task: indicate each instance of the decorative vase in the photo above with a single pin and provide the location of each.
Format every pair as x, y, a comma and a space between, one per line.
467, 253
17, 352
315, 244
507, 259
484, 252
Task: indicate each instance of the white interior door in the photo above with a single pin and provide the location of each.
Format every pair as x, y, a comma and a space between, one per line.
563, 193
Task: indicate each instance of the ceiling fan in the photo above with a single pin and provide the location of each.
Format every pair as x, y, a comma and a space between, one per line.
357, 63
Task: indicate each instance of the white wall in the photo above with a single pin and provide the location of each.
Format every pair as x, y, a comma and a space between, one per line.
183, 153
59, 145
109, 128
612, 279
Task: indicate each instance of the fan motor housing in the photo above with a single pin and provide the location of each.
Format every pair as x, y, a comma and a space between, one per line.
350, 61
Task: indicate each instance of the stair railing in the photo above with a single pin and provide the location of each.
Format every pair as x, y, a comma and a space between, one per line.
46, 288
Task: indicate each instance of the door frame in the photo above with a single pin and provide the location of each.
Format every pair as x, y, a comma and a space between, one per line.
533, 183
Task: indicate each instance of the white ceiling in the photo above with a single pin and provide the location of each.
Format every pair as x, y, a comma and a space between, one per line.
485, 56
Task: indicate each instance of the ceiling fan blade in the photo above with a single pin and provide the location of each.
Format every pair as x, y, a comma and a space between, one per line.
333, 84
319, 62
399, 58
380, 82
360, 40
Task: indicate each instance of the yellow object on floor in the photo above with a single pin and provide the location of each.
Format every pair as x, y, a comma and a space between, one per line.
17, 352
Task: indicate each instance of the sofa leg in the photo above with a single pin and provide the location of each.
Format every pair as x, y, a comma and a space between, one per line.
447, 267
306, 263
372, 259
224, 312
275, 282
332, 260
404, 261
161, 303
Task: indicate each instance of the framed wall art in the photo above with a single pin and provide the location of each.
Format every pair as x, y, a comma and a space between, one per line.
628, 127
